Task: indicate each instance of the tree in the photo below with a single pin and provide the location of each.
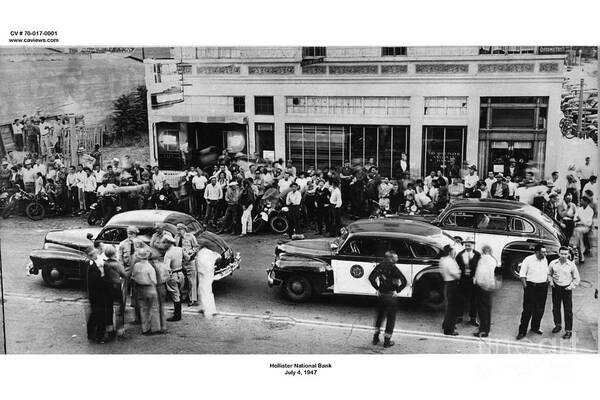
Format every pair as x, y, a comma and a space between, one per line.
130, 114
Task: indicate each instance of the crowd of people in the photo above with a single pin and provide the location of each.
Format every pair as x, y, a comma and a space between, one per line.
174, 267
228, 194
39, 134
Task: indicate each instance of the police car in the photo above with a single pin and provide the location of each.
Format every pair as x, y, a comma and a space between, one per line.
511, 228
304, 268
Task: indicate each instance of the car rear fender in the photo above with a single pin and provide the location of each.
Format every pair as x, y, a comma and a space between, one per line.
523, 248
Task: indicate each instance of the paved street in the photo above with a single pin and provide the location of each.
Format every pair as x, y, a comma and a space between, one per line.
256, 319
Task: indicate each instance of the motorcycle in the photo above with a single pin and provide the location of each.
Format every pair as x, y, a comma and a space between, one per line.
271, 214
97, 213
17, 201
4, 196
162, 202
40, 206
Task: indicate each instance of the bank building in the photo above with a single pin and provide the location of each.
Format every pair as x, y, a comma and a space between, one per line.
320, 106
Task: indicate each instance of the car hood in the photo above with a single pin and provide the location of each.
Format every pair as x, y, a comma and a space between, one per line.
307, 247
74, 238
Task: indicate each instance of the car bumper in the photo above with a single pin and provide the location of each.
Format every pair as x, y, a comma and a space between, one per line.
271, 279
228, 270
31, 269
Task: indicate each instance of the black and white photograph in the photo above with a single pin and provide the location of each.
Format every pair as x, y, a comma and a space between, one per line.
297, 200
418, 199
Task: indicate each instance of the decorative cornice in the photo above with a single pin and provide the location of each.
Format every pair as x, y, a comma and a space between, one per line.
506, 67
353, 69
394, 69
218, 70
548, 67
442, 68
314, 70
274, 70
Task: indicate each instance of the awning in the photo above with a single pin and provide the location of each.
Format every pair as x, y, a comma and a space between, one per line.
207, 119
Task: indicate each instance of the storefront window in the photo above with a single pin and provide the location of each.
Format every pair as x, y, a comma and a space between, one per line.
265, 140
331, 145
444, 149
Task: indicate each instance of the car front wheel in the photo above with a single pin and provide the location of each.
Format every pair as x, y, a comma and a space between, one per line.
54, 276
515, 268
297, 288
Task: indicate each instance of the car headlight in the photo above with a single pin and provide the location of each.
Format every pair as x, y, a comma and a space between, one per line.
162, 197
285, 209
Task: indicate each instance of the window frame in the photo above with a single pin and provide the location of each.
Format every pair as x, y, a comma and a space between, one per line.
314, 52
456, 227
348, 242
101, 234
421, 257
513, 232
239, 104
487, 229
260, 100
395, 51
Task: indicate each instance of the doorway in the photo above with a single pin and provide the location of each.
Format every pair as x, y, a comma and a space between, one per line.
501, 151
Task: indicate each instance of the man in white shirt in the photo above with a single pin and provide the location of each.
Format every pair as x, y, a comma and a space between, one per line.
586, 171
534, 276
223, 168
89, 188
285, 183
17, 128
199, 183
293, 200
29, 176
158, 178
73, 199
45, 137
471, 180
212, 194
584, 219
512, 188
99, 174
490, 180
564, 277
81, 175
335, 207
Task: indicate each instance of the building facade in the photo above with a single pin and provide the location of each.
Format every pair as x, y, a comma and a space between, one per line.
320, 106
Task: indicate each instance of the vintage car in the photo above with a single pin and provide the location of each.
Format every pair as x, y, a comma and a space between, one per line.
342, 266
63, 255
511, 228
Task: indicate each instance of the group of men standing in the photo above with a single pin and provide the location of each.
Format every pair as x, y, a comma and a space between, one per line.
174, 267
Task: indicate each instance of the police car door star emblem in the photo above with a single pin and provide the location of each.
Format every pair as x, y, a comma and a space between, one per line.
357, 271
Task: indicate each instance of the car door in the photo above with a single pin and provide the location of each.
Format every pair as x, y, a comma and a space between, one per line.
404, 264
491, 229
459, 223
353, 264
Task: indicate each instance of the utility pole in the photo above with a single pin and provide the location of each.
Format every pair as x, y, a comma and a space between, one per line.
580, 113
2, 300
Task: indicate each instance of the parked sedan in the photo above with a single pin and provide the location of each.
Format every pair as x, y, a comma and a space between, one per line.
304, 268
63, 255
511, 228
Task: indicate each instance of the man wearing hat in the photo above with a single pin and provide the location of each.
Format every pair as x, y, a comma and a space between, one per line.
212, 194
512, 169
293, 200
499, 189
467, 261
471, 179
5, 174
144, 277
174, 260
232, 198
29, 176
188, 243
126, 255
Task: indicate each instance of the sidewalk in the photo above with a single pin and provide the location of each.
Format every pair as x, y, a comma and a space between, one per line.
229, 333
